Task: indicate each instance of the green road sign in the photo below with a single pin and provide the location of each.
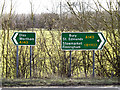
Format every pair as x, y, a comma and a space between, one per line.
82, 41
24, 38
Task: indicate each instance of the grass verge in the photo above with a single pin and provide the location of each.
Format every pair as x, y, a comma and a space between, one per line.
60, 82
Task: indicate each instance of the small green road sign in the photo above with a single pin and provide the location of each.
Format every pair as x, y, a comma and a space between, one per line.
24, 38
82, 41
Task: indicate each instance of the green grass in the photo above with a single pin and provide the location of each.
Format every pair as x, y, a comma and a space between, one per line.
60, 82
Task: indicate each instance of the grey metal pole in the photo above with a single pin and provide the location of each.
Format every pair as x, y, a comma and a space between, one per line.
93, 63
30, 59
17, 62
70, 64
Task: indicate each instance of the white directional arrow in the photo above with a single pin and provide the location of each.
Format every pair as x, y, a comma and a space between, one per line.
102, 41
14, 38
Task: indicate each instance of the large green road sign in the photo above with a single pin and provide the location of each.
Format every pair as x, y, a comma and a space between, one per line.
82, 41
24, 38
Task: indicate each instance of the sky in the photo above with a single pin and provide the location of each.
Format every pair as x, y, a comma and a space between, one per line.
40, 6
23, 6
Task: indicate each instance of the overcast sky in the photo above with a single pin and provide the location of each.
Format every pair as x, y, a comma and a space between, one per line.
40, 6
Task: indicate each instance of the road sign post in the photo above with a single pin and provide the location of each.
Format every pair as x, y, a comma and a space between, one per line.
24, 39
82, 41
17, 62
93, 63
69, 74
30, 60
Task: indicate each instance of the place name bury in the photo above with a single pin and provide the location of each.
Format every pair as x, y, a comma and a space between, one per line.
70, 35
74, 37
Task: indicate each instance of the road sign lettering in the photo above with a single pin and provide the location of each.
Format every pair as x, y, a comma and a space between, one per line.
24, 38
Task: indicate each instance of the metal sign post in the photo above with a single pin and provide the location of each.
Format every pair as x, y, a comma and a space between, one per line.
93, 63
23, 39
30, 59
69, 75
82, 41
17, 62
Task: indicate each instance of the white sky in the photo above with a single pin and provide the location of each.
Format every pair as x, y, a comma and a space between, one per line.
39, 6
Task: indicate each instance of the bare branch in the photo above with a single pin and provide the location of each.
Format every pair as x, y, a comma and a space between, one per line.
2, 9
